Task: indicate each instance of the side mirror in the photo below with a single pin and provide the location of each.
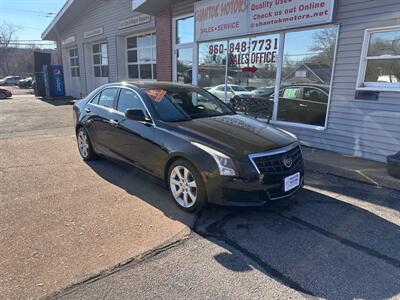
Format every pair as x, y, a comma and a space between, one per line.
136, 115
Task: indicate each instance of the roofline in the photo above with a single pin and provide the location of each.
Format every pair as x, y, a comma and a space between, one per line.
313, 72
56, 19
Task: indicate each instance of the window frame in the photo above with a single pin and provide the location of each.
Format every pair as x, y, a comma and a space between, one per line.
121, 90
375, 86
153, 61
116, 100
101, 64
176, 47
74, 67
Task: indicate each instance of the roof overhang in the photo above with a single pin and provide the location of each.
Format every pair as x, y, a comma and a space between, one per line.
71, 10
151, 7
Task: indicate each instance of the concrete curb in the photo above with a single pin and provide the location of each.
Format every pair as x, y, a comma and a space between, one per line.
378, 178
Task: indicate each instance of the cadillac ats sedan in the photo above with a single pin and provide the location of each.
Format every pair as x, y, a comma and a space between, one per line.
191, 141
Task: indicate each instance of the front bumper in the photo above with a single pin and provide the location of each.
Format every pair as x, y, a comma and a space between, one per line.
261, 178
256, 191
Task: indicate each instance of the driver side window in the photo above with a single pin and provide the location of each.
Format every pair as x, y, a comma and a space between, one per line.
129, 100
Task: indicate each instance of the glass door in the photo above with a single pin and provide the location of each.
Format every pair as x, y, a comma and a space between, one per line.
183, 49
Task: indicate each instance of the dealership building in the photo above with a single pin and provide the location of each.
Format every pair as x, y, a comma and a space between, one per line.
330, 68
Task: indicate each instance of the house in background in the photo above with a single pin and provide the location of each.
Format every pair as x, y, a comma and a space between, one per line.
310, 73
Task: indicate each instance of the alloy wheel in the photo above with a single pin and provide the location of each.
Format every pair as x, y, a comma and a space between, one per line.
183, 186
83, 144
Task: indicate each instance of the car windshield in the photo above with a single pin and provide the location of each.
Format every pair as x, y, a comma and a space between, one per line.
174, 104
238, 88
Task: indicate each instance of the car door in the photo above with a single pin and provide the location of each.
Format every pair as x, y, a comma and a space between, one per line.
289, 108
133, 140
315, 102
100, 120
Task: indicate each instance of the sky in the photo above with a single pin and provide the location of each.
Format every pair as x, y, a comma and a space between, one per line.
31, 16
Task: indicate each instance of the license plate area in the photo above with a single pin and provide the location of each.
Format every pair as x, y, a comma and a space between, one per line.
291, 182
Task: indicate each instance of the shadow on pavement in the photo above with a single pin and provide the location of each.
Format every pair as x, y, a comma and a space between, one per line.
314, 243
58, 101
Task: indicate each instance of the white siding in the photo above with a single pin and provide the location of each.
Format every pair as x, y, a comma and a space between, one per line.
106, 14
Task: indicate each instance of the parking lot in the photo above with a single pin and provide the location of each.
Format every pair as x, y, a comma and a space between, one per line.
76, 230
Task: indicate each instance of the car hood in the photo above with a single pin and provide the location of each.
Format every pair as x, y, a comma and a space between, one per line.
233, 135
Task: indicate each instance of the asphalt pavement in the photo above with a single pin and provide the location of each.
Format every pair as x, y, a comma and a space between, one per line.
337, 239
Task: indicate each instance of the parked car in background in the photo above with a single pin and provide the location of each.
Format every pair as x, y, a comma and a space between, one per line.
268, 90
10, 80
250, 88
232, 90
25, 83
191, 141
303, 103
5, 93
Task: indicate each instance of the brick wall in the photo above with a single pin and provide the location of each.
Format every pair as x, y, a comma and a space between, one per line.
164, 45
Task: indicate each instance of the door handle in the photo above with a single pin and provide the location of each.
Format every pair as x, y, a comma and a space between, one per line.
87, 109
114, 122
303, 105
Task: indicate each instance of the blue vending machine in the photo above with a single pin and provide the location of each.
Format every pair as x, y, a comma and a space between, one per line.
54, 80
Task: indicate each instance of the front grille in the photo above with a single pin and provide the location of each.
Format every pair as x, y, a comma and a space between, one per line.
273, 162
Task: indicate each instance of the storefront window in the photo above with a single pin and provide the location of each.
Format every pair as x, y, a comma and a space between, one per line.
243, 72
212, 67
306, 76
100, 60
381, 65
141, 54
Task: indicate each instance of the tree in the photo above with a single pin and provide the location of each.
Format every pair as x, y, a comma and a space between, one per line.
324, 44
8, 33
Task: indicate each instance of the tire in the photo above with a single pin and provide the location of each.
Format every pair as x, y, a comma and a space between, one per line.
85, 147
187, 190
3, 96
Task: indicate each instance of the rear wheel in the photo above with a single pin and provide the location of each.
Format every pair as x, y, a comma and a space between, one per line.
186, 186
84, 145
2, 95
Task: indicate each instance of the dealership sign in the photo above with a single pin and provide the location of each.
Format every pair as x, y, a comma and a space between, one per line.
94, 32
134, 21
68, 40
227, 18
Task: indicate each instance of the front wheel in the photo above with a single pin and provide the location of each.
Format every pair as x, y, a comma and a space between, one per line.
3, 96
186, 186
84, 145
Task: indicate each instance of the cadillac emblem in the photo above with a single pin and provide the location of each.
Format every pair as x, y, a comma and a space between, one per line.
287, 161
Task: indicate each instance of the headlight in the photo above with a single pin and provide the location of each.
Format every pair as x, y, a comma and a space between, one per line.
224, 162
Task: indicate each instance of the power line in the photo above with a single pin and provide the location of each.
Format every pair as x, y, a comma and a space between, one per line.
28, 11
13, 11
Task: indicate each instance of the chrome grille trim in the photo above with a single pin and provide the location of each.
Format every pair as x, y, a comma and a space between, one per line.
273, 152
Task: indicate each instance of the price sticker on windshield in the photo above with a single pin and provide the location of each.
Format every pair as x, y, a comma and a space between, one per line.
156, 94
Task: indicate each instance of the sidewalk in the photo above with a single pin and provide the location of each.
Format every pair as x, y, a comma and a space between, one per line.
367, 171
